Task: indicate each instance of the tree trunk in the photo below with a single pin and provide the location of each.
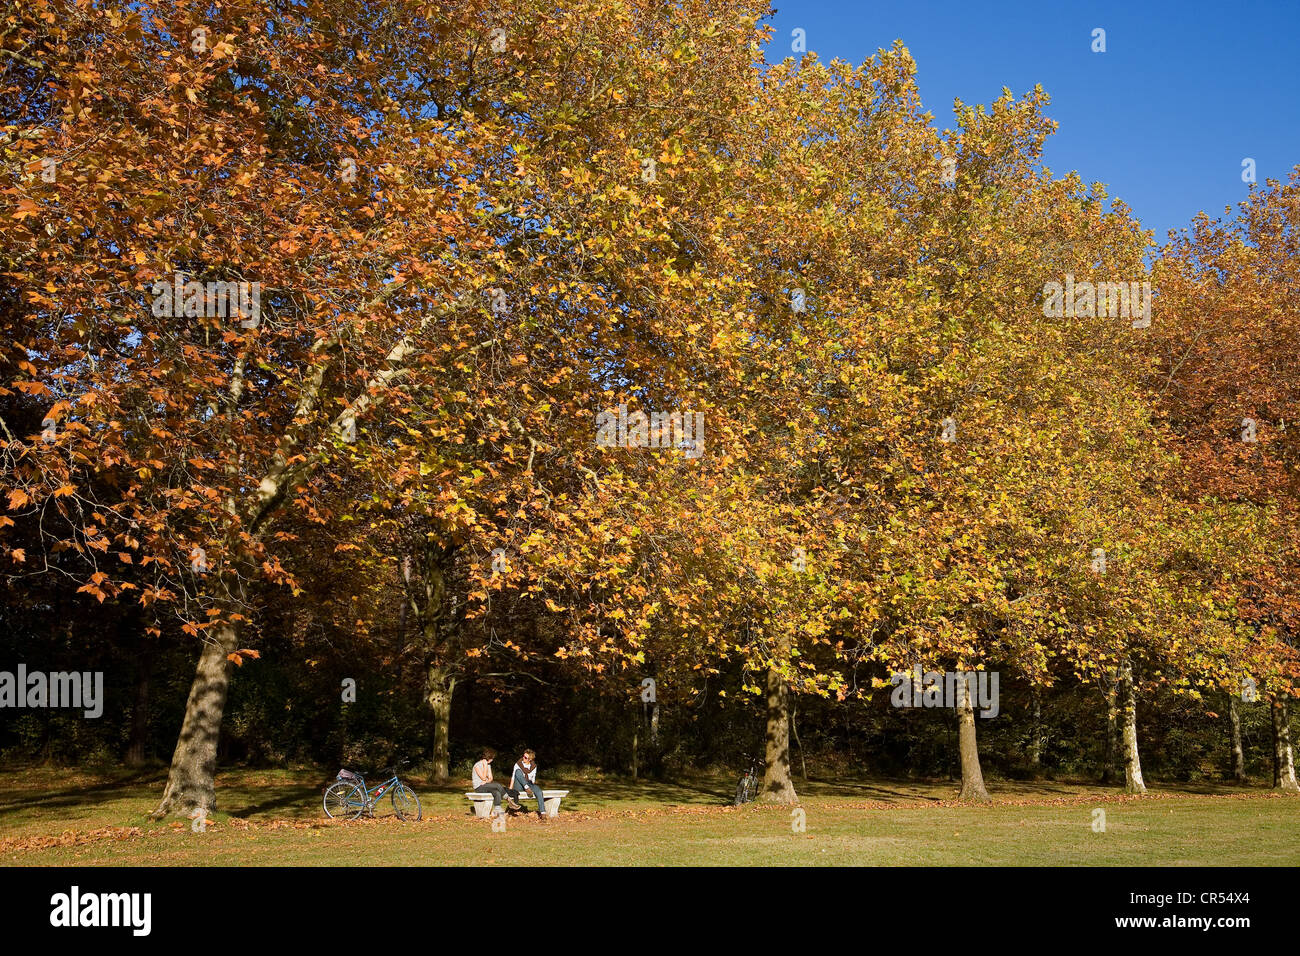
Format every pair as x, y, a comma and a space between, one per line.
972, 778
1112, 732
401, 620
777, 786
1238, 755
1283, 759
47, 741
191, 782
794, 731
1035, 755
439, 686
1133, 782
137, 747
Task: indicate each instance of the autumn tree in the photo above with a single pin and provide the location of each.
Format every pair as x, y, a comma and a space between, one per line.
374, 182
1224, 382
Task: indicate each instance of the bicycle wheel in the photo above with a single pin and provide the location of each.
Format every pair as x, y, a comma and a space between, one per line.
405, 803
742, 789
344, 801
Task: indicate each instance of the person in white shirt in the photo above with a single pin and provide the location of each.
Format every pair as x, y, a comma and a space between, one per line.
483, 782
524, 779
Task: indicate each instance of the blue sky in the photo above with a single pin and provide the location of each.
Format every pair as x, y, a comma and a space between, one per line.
1184, 92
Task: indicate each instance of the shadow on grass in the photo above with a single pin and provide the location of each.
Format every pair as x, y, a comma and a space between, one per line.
22, 790
299, 799
117, 795
719, 790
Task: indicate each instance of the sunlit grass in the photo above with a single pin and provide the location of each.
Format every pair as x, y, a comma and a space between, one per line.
274, 817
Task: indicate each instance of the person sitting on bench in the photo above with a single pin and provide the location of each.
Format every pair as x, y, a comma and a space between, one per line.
524, 778
483, 782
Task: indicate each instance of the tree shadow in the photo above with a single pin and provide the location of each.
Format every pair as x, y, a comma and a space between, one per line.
12, 802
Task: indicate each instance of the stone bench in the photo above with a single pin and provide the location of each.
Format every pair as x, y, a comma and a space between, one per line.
482, 802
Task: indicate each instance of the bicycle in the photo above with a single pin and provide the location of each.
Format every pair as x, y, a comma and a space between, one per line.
747, 785
348, 797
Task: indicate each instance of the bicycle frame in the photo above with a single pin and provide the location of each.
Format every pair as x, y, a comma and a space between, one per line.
750, 779
371, 795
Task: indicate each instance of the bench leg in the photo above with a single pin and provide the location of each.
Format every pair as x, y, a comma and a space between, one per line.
553, 806
482, 808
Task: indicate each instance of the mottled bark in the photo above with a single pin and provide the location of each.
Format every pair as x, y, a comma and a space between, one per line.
432, 601
972, 777
1238, 754
1133, 782
1110, 692
1283, 759
439, 687
191, 780
777, 785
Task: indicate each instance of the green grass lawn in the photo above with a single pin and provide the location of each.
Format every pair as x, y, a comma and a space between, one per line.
271, 818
